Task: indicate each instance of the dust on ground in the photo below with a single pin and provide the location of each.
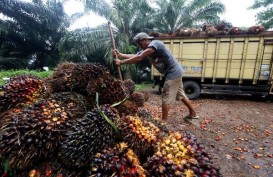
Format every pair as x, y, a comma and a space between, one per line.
237, 131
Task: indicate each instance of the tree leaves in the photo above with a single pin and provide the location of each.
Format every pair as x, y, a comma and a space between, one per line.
265, 16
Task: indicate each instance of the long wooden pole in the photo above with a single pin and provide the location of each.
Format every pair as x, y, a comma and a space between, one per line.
114, 48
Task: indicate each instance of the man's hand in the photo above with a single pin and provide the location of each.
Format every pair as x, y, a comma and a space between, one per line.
116, 53
118, 62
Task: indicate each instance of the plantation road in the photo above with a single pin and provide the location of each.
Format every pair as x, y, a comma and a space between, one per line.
237, 131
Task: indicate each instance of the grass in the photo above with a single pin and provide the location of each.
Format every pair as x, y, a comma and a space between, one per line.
13, 73
141, 87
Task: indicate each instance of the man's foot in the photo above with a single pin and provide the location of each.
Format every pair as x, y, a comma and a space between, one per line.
193, 116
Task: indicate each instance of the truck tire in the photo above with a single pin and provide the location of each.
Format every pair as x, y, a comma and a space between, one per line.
192, 89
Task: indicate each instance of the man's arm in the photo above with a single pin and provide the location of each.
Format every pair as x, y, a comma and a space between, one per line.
126, 56
123, 55
136, 58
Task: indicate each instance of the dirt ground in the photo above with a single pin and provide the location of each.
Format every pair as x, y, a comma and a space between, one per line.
236, 130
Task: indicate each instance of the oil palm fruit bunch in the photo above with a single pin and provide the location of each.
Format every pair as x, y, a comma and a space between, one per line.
75, 77
75, 104
185, 32
195, 32
255, 29
180, 155
129, 86
88, 135
138, 98
144, 114
53, 169
141, 136
109, 89
154, 34
61, 79
127, 108
119, 161
235, 31
24, 89
35, 132
211, 31
83, 73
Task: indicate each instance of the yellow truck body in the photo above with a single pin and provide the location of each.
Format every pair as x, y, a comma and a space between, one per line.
233, 64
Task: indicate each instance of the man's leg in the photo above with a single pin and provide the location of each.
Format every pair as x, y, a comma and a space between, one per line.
165, 111
186, 101
183, 97
170, 90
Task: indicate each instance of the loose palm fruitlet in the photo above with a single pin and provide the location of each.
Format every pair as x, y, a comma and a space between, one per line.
109, 89
141, 136
35, 132
138, 98
180, 155
129, 86
88, 135
24, 89
119, 161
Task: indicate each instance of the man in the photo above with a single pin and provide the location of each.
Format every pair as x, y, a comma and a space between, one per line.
166, 64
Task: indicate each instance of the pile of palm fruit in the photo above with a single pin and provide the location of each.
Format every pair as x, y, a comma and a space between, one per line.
82, 122
211, 30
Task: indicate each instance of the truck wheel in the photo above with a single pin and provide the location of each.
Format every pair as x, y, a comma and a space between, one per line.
192, 89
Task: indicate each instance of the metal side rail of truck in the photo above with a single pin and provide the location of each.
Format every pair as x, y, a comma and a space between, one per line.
234, 64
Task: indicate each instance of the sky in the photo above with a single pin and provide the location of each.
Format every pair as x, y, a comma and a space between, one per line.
236, 12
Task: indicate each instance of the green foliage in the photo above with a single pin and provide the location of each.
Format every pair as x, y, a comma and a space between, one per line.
12, 63
174, 14
141, 87
13, 73
265, 16
32, 29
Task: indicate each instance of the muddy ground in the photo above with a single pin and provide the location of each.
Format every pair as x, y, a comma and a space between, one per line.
236, 130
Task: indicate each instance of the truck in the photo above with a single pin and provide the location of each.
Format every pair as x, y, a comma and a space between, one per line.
233, 64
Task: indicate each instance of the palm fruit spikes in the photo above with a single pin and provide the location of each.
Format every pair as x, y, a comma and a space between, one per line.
141, 136
109, 89
138, 98
84, 73
119, 161
88, 135
75, 77
24, 89
36, 131
61, 80
180, 155
127, 108
129, 86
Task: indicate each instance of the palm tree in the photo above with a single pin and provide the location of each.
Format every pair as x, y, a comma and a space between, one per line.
127, 18
174, 14
130, 17
32, 29
265, 17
